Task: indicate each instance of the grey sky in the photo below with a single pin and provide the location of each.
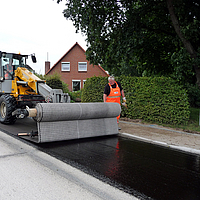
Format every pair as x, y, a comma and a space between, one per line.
37, 26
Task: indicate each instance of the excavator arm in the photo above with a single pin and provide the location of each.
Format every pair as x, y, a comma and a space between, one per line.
25, 78
26, 82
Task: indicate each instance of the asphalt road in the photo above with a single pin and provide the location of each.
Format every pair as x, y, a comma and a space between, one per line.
144, 170
21, 125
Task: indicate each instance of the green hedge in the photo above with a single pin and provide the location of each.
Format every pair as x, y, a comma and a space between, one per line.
93, 89
158, 99
193, 95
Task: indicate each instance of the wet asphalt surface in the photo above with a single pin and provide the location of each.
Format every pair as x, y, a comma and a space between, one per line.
144, 170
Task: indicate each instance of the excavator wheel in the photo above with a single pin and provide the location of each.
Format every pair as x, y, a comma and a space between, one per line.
7, 106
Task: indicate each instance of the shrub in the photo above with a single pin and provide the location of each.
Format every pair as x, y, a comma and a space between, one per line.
54, 81
93, 89
76, 96
194, 95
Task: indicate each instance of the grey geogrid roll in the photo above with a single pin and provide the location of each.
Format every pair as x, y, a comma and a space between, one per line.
50, 112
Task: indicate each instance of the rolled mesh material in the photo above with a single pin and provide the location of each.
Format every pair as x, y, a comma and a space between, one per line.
73, 111
65, 121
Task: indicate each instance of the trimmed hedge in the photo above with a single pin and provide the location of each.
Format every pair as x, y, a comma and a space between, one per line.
158, 99
93, 89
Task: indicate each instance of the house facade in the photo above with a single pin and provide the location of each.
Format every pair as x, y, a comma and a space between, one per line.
74, 68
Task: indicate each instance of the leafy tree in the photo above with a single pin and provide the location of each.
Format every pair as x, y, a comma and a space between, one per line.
143, 35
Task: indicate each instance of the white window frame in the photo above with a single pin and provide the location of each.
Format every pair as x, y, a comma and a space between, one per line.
82, 70
65, 70
84, 83
75, 81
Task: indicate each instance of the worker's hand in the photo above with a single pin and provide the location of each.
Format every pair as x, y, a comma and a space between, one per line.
124, 104
124, 99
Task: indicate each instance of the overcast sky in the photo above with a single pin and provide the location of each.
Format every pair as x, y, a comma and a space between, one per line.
37, 26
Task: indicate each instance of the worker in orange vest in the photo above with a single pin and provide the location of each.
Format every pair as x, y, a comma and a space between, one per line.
113, 92
8, 70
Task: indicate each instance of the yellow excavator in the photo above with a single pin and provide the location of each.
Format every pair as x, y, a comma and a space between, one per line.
23, 94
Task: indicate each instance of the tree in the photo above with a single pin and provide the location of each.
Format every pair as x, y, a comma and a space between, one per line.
141, 34
188, 30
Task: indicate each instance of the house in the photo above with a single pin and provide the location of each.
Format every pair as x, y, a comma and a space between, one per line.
74, 68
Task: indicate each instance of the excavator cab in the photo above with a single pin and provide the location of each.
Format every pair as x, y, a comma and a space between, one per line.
7, 66
10, 62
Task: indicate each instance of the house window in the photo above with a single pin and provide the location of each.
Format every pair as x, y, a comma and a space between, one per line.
76, 85
82, 66
65, 66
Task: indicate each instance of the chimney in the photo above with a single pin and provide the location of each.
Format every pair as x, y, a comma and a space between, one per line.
47, 66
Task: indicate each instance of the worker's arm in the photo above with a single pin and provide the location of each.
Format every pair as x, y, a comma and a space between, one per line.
104, 98
122, 92
124, 99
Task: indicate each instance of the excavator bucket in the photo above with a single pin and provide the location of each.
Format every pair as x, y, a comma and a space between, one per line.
67, 121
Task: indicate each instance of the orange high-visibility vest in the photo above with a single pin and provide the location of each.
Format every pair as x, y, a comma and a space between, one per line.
9, 69
114, 96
